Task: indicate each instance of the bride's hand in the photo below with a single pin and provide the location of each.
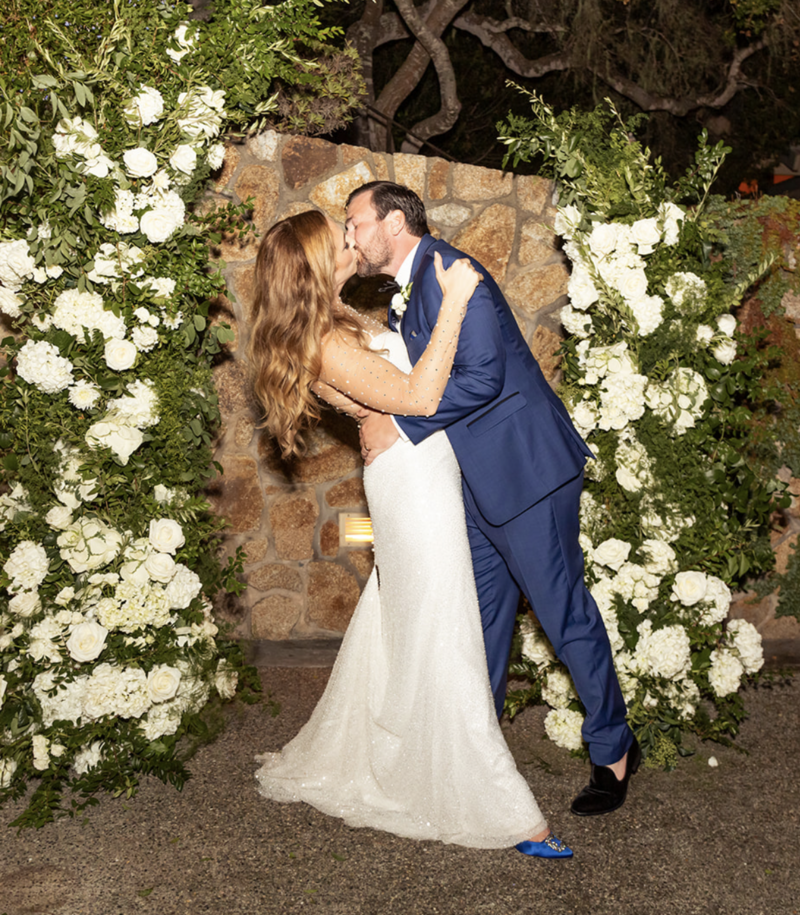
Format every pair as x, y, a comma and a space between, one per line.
460, 279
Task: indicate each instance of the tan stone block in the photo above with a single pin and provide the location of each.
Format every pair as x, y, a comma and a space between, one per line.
785, 627
351, 154
234, 248
274, 617
362, 561
233, 388
410, 171
242, 281
229, 166
489, 238
264, 145
329, 539
293, 519
381, 163
537, 243
791, 306
544, 345
784, 549
236, 494
534, 193
347, 494
437, 179
221, 311
536, 288
261, 182
747, 606
473, 182
274, 575
333, 593
449, 214
331, 195
256, 550
305, 160
244, 432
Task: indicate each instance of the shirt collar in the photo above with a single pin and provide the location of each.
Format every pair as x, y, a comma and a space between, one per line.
403, 275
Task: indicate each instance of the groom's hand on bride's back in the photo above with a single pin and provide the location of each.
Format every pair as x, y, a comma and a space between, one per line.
378, 433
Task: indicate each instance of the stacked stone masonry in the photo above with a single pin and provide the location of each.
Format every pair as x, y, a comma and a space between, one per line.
300, 582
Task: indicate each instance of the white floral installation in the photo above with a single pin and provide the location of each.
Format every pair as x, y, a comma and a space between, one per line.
655, 376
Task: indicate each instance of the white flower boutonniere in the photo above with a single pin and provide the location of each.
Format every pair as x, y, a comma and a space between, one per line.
400, 299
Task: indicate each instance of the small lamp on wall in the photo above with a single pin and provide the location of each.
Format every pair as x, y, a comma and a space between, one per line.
355, 530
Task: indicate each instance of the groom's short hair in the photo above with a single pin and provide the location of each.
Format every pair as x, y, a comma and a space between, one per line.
388, 196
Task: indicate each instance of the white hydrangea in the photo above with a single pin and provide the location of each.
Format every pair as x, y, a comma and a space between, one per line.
10, 304
670, 216
42, 640
116, 691
111, 261
716, 602
680, 400
633, 465
575, 322
558, 690
134, 606
648, 311
747, 644
725, 673
88, 757
687, 291
76, 312
121, 218
665, 652
27, 566
582, 290
660, 558
215, 156
12, 503
621, 400
139, 407
585, 415
226, 680
183, 588
536, 647
40, 364
162, 287
202, 110
16, 264
563, 727
145, 108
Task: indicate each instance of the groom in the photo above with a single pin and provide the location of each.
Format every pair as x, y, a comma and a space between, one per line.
522, 466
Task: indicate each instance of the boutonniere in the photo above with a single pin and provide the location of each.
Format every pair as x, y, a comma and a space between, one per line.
400, 299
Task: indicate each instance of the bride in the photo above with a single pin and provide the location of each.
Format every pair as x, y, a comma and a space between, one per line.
405, 738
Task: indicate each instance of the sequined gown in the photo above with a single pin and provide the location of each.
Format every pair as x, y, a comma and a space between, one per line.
405, 738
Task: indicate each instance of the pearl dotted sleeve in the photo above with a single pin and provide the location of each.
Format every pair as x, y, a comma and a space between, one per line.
367, 377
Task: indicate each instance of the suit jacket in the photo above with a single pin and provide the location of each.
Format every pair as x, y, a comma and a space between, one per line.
512, 436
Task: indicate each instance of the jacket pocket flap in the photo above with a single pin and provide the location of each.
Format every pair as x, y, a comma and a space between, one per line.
496, 413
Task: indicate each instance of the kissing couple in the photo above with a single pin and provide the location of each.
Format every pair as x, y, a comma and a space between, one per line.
473, 477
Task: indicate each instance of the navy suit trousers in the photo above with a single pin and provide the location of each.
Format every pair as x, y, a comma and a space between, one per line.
538, 552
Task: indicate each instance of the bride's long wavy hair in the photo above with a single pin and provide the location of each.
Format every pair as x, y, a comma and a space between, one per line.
295, 295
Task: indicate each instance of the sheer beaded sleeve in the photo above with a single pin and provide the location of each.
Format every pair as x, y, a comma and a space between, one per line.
336, 399
367, 377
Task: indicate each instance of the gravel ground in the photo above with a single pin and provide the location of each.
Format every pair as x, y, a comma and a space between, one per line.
699, 840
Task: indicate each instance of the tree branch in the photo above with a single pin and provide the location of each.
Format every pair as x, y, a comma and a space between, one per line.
491, 34
680, 107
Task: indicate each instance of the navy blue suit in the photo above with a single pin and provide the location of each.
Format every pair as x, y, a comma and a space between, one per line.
522, 464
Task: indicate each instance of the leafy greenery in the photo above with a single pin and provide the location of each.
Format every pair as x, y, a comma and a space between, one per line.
108, 651
664, 389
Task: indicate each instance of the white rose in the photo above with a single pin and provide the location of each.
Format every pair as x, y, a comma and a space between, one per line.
41, 756
86, 641
160, 567
121, 438
140, 162
166, 535
690, 587
146, 108
163, 682
215, 156
3, 685
120, 355
705, 334
25, 604
184, 159
603, 239
59, 517
226, 680
184, 43
160, 223
632, 284
646, 234
725, 352
612, 553
727, 324
10, 303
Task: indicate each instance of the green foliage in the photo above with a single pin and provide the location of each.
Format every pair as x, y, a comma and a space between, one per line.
109, 655
665, 391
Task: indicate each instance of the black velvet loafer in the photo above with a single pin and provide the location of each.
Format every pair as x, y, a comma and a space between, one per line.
605, 792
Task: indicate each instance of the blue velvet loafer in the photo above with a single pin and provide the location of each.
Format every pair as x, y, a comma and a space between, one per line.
549, 847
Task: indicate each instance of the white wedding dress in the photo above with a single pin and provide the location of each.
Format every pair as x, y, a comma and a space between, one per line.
405, 738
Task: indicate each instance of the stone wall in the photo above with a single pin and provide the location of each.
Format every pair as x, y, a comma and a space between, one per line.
300, 583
